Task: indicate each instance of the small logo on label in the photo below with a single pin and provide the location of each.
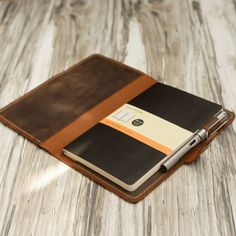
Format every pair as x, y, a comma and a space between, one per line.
137, 122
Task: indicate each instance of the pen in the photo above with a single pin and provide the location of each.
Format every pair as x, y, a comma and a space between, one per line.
213, 125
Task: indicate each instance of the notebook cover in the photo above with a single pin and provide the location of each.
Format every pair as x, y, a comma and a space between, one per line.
77, 99
132, 140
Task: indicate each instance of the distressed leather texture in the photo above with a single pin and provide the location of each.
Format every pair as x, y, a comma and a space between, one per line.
70, 103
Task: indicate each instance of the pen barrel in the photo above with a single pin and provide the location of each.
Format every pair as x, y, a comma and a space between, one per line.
182, 151
209, 129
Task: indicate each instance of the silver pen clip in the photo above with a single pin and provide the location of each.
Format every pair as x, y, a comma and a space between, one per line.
222, 118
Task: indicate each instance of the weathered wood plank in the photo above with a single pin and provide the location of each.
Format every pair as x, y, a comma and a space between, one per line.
188, 44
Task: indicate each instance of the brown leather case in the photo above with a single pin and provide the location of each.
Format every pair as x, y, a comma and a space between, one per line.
65, 106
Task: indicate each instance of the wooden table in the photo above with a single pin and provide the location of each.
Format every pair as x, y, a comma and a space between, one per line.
187, 44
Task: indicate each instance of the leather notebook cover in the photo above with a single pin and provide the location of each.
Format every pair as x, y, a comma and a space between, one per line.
66, 106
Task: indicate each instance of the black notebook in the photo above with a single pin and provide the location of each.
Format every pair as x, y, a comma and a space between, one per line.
129, 145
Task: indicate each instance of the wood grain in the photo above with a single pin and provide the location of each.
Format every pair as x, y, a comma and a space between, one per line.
188, 44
